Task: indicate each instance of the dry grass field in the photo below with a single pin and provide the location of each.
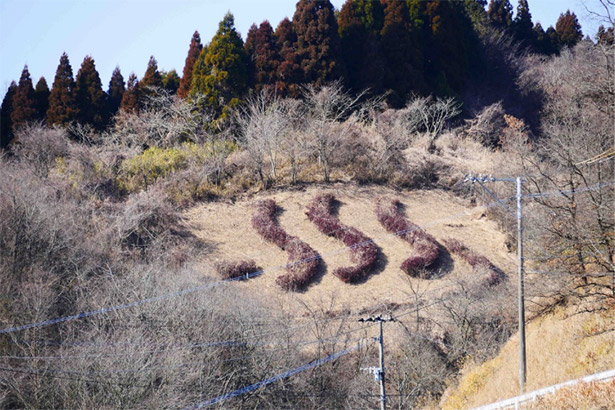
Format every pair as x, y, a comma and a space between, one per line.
228, 233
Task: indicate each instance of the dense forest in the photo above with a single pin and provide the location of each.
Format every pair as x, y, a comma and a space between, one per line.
401, 48
401, 97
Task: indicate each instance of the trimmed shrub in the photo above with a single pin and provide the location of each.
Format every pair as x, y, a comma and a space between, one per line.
425, 245
235, 269
303, 261
479, 263
363, 251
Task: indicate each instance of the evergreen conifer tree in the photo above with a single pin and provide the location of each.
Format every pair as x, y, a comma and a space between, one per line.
289, 73
359, 26
193, 55
170, 81
116, 92
152, 79
318, 43
221, 71
62, 107
132, 96
403, 56
500, 14
6, 126
543, 42
41, 96
264, 55
24, 104
523, 27
605, 36
568, 29
90, 97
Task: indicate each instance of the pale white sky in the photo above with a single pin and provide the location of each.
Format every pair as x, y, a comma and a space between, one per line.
127, 32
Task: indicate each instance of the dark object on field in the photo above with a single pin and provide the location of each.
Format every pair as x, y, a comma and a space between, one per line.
479, 263
425, 245
363, 251
303, 261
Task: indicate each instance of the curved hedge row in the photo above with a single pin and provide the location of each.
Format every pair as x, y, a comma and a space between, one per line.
303, 261
425, 245
235, 269
363, 251
479, 263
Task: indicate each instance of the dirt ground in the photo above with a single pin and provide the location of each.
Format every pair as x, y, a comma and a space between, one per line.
227, 231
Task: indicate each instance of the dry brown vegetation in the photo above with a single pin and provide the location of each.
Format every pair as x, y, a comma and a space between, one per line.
91, 220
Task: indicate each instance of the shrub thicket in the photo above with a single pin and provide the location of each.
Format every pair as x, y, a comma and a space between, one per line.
236, 269
479, 263
425, 245
363, 251
303, 261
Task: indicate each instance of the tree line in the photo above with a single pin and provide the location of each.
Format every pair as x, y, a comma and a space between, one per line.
400, 48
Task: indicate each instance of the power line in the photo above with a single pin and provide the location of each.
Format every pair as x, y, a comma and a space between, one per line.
273, 379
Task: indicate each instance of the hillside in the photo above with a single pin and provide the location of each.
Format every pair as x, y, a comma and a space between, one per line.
227, 231
561, 346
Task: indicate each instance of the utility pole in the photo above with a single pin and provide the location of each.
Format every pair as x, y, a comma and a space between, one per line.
521, 296
378, 372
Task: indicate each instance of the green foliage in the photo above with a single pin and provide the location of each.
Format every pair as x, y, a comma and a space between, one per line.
116, 91
143, 170
318, 43
220, 73
91, 99
523, 26
170, 81
62, 105
402, 53
500, 14
360, 23
193, 54
24, 103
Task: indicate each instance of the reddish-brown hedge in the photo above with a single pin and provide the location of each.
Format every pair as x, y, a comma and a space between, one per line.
478, 262
235, 269
425, 245
363, 251
303, 261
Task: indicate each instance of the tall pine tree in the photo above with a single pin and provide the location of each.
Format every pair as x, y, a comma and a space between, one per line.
318, 43
359, 26
523, 28
132, 96
41, 96
264, 55
6, 126
403, 55
500, 14
62, 107
24, 104
289, 73
116, 92
221, 72
91, 99
170, 81
568, 29
193, 54
152, 79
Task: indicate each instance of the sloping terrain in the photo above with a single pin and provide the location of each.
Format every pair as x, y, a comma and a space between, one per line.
229, 235
560, 346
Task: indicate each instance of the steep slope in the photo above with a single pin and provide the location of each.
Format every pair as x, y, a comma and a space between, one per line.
561, 346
